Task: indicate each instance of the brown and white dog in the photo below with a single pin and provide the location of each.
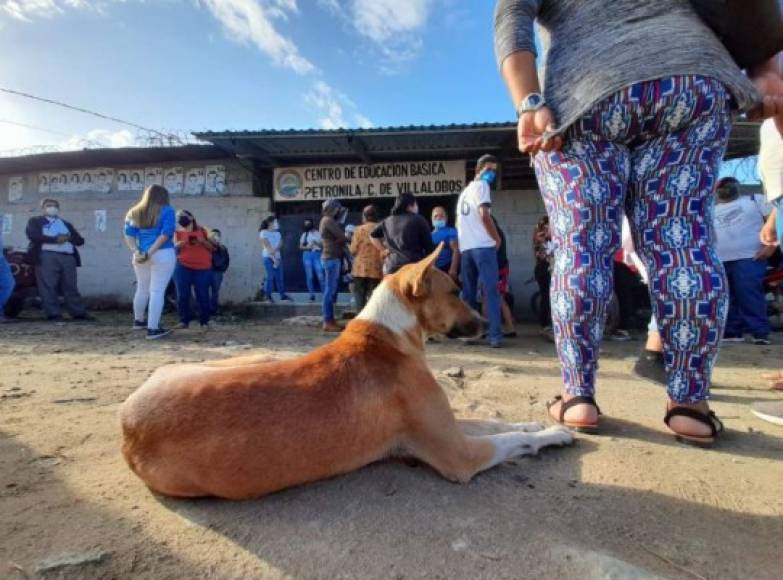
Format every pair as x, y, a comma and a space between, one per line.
245, 427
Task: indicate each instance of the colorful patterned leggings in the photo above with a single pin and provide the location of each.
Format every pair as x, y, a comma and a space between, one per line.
653, 151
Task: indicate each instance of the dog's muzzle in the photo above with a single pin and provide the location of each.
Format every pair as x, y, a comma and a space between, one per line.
474, 328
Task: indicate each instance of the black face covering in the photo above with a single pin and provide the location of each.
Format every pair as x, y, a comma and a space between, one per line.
308, 226
184, 221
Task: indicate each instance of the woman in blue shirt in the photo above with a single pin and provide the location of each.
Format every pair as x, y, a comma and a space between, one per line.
448, 260
149, 233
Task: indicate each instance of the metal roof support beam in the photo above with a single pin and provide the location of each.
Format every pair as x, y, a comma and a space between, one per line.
358, 146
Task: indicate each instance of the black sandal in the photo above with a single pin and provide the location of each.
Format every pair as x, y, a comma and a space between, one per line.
709, 419
575, 425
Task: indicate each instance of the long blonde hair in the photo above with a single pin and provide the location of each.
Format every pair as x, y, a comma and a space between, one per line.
146, 212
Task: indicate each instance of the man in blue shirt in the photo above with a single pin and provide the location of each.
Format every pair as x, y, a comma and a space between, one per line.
448, 260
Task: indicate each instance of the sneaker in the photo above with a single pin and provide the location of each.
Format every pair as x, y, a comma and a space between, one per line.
620, 336
182, 326
495, 345
762, 341
154, 334
770, 411
728, 338
312, 297
54, 318
139, 325
286, 298
650, 367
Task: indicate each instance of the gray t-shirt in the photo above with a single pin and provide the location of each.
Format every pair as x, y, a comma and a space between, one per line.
595, 48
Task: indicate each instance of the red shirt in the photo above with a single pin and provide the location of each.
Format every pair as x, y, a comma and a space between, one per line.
192, 254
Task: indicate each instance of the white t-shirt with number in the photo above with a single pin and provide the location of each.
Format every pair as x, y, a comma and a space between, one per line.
737, 227
470, 229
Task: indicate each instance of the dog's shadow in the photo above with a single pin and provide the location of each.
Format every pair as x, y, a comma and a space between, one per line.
532, 517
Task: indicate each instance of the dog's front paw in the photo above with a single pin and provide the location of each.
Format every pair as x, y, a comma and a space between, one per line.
557, 435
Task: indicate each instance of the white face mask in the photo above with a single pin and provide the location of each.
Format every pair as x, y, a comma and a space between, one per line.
275, 226
51, 210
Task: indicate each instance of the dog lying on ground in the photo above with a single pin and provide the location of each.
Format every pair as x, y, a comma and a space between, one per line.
245, 427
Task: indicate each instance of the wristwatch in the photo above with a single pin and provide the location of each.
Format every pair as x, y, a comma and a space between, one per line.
530, 103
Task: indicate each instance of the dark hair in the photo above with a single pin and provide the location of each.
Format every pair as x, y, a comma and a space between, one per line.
402, 203
217, 231
49, 201
266, 222
723, 181
485, 160
193, 221
370, 213
543, 220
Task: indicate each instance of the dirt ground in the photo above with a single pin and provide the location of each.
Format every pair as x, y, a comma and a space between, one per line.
630, 503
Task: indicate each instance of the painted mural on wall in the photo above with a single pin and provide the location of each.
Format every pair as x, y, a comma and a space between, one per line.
15, 188
192, 181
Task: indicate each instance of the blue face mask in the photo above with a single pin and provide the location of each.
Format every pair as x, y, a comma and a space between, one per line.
489, 176
439, 224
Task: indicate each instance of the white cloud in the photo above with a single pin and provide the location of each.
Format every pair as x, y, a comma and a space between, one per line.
334, 108
394, 26
251, 22
100, 138
27, 10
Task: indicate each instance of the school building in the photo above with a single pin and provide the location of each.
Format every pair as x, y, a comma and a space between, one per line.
240, 177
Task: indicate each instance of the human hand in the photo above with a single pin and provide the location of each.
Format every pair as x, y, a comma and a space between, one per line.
769, 235
61, 239
498, 242
532, 128
764, 253
769, 83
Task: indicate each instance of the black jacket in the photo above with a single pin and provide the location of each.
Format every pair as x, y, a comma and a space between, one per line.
34, 233
220, 259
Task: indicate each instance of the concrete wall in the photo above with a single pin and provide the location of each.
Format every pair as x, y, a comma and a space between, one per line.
106, 271
517, 212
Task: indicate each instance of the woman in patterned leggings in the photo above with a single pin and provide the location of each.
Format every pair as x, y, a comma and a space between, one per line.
634, 119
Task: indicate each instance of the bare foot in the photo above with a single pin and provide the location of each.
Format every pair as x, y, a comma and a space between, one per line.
775, 380
687, 426
581, 413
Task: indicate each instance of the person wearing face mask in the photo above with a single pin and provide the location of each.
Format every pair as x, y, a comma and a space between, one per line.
272, 244
220, 263
53, 251
310, 243
448, 260
403, 237
479, 241
194, 268
738, 222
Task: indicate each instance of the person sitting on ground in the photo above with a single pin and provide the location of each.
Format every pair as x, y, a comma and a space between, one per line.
334, 240
272, 246
367, 269
149, 234
194, 268
220, 262
448, 260
403, 237
738, 223
53, 251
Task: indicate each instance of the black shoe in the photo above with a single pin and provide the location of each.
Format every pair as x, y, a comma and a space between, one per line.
762, 341
154, 334
650, 367
139, 325
54, 318
286, 298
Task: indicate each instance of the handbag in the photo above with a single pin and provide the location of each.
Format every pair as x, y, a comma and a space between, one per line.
751, 30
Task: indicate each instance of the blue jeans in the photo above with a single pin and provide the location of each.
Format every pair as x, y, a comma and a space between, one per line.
313, 266
199, 280
274, 278
747, 304
332, 282
214, 291
481, 265
7, 283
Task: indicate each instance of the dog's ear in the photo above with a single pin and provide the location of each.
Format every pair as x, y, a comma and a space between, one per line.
419, 280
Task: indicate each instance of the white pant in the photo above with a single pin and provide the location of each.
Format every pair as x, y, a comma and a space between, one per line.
152, 277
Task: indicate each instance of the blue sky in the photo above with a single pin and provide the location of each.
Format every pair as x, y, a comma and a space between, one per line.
243, 64
190, 65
